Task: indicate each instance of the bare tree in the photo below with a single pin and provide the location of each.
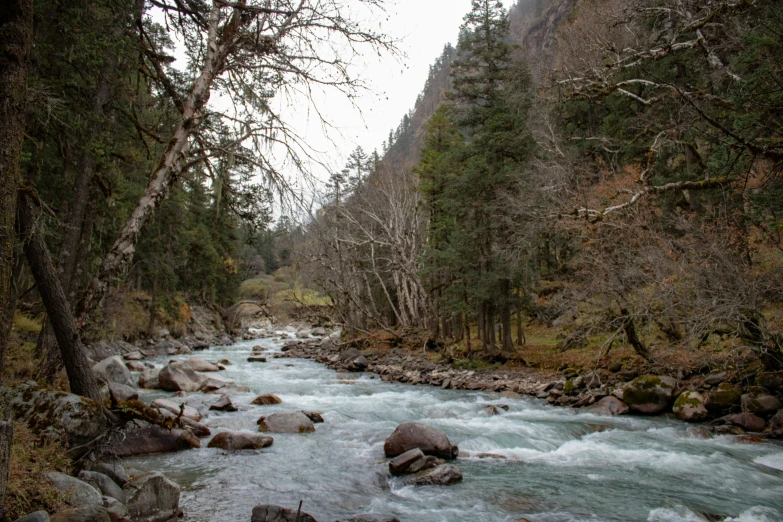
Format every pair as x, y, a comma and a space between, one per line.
247, 51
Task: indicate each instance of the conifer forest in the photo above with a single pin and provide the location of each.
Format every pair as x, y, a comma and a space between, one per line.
553, 292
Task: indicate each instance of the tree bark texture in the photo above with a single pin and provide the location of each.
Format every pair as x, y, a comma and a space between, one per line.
77, 366
16, 35
6, 436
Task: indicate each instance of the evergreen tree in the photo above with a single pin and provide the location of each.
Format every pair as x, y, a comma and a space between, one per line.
464, 182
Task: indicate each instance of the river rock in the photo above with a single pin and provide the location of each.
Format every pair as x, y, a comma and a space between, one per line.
150, 379
716, 378
176, 408
770, 380
116, 509
294, 422
319, 332
89, 513
414, 435
271, 513
267, 400
443, 475
152, 497
226, 389
38, 516
135, 355
722, 400
649, 394
147, 439
194, 427
371, 517
314, 416
135, 366
400, 464
239, 440
424, 463
223, 404
608, 406
690, 406
176, 377
510, 395
122, 392
760, 404
746, 421
56, 414
358, 365
104, 484
199, 365
113, 369
113, 470
256, 359
79, 492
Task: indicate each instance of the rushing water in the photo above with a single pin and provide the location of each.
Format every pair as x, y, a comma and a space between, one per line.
535, 462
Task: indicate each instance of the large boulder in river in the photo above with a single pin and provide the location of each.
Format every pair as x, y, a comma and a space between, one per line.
177, 408
400, 464
56, 415
104, 484
121, 392
271, 513
294, 422
649, 394
413, 435
267, 400
608, 406
443, 475
723, 400
78, 492
145, 439
150, 379
199, 365
152, 497
761, 404
113, 369
690, 406
178, 377
240, 440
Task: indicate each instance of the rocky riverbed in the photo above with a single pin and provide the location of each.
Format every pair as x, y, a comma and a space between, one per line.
258, 425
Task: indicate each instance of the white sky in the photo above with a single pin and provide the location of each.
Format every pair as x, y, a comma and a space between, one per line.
423, 28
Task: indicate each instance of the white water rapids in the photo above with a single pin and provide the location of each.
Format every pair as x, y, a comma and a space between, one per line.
534, 462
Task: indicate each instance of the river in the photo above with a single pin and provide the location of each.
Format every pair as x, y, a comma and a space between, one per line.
535, 462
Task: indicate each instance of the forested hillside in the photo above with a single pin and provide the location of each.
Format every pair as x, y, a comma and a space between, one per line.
578, 181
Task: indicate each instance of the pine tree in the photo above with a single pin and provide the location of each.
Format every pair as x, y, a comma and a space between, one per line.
464, 182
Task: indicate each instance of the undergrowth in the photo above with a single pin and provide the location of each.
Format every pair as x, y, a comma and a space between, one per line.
28, 489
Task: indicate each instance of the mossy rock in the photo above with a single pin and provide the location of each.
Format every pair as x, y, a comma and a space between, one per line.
723, 400
649, 394
689, 406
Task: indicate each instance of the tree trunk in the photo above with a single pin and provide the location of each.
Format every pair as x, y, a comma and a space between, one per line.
521, 341
7, 320
166, 173
16, 35
466, 322
6, 437
505, 289
80, 376
633, 338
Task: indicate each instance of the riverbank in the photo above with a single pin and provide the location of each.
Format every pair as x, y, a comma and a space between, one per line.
729, 402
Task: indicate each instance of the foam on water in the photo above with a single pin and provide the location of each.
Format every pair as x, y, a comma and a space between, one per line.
537, 462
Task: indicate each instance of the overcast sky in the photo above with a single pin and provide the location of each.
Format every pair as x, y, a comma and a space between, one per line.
423, 27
